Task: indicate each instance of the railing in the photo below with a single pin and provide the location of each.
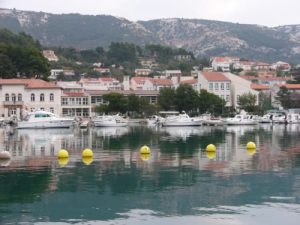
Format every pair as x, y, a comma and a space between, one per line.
13, 103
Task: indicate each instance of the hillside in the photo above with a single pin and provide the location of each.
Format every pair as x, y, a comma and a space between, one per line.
202, 37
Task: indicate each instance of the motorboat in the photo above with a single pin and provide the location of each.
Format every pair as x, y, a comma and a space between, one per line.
44, 119
292, 118
109, 121
182, 119
213, 121
273, 117
155, 120
242, 119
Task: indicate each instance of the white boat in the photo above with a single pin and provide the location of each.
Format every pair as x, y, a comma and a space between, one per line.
109, 121
44, 119
273, 117
155, 120
241, 119
181, 120
212, 121
292, 118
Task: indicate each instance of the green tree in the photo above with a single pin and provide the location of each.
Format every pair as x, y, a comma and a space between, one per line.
122, 52
288, 99
166, 98
248, 102
116, 102
186, 98
210, 103
133, 104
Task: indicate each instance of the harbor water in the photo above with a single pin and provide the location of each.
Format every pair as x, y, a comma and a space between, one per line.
177, 183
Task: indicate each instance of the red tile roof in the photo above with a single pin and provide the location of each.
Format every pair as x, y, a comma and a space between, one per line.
290, 86
259, 87
214, 76
30, 83
140, 80
164, 82
194, 81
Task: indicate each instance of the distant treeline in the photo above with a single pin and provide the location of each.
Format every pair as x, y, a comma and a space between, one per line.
20, 55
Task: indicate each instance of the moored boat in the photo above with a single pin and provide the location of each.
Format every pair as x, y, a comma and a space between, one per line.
241, 119
44, 119
181, 120
109, 121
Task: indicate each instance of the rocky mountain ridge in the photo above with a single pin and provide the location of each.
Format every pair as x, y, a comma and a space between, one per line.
202, 37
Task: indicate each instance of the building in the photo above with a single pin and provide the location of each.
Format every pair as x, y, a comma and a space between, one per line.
101, 83
216, 83
75, 102
19, 96
142, 72
183, 57
102, 70
50, 55
141, 83
54, 73
223, 63
239, 87
283, 66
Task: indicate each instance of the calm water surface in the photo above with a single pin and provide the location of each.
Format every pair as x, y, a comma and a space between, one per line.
177, 184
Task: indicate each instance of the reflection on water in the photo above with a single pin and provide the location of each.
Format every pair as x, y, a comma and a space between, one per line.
178, 183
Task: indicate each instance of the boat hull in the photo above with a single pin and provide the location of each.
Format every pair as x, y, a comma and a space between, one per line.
45, 124
105, 124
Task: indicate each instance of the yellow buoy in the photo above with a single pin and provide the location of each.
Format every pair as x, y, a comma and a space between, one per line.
211, 148
62, 153
145, 150
251, 151
211, 154
251, 145
87, 153
63, 161
145, 157
87, 160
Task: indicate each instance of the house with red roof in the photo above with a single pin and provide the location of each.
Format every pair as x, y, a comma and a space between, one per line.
101, 83
19, 96
216, 83
223, 63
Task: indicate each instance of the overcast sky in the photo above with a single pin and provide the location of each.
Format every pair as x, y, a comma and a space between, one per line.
263, 12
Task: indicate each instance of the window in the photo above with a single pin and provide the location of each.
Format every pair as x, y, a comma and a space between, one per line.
227, 86
42, 109
32, 97
42, 97
51, 97
216, 86
19, 97
51, 109
222, 86
6, 97
210, 86
238, 99
64, 101
84, 101
227, 98
13, 97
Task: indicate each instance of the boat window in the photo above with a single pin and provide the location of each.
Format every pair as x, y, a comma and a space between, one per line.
41, 115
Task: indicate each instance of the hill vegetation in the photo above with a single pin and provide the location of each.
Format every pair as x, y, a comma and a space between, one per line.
202, 37
20, 56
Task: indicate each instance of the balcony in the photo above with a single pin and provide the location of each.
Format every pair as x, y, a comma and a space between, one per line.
10, 103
